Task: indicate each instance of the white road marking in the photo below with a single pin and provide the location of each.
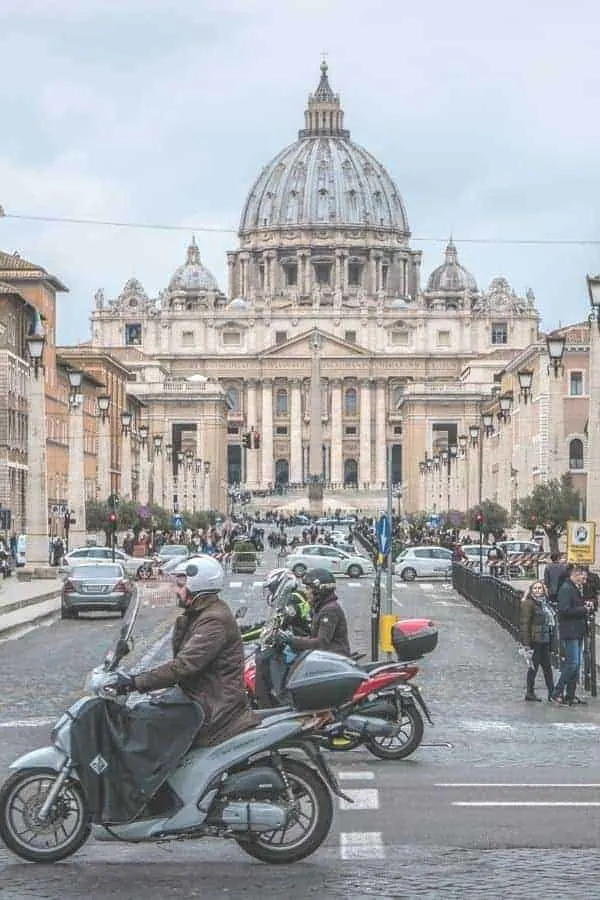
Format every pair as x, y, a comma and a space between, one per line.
426, 586
29, 723
361, 845
396, 601
257, 583
354, 584
235, 584
354, 775
523, 803
363, 798
515, 784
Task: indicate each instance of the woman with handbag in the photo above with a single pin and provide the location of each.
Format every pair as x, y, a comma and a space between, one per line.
537, 624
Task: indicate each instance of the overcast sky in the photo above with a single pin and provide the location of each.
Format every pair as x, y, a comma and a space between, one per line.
486, 116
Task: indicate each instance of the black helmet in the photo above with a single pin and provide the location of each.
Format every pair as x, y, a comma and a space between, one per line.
320, 580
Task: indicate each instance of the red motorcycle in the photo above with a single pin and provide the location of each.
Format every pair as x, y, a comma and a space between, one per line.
386, 699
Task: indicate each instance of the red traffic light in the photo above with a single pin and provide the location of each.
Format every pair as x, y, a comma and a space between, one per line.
479, 518
112, 518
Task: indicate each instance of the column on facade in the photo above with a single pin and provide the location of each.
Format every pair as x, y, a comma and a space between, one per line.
168, 482
296, 432
300, 272
307, 274
380, 433
338, 281
267, 432
158, 480
251, 422
36, 495
372, 272
365, 442
337, 462
103, 459
345, 274
77, 532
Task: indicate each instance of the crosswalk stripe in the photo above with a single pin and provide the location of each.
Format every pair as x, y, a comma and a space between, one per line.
361, 845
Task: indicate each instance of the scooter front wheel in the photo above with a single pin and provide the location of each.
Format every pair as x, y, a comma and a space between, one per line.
61, 834
405, 742
309, 819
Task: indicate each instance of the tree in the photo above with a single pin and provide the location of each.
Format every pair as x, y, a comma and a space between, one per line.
95, 515
495, 518
550, 506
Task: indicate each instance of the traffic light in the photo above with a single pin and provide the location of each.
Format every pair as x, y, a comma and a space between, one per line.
246, 440
479, 519
112, 521
113, 501
256, 441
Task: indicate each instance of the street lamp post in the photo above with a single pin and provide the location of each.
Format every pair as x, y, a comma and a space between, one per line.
126, 454
36, 499
157, 470
207, 491
104, 448
144, 465
593, 441
555, 344
77, 529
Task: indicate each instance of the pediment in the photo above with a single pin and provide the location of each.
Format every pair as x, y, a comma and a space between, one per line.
299, 347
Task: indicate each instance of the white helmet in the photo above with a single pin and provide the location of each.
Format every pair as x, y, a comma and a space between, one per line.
274, 582
205, 574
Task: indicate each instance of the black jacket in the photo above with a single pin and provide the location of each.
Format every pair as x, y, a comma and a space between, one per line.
552, 577
329, 629
571, 612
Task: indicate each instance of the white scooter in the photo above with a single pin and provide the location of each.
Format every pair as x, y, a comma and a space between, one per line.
277, 807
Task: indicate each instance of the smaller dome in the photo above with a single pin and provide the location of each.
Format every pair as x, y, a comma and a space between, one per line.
192, 276
451, 276
238, 303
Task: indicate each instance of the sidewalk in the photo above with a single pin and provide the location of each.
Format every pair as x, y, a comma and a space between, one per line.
24, 602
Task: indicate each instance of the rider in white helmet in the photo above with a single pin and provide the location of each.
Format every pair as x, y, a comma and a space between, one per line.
208, 654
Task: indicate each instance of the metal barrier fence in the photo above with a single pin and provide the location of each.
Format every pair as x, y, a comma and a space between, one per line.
502, 602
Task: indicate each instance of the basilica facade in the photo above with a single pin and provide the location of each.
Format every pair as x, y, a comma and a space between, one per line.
327, 344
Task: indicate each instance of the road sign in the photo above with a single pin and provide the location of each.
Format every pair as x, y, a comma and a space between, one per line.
434, 521
383, 533
581, 542
177, 522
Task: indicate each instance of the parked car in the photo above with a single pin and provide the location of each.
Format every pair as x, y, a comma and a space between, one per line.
171, 551
131, 564
95, 586
313, 556
423, 562
472, 551
516, 548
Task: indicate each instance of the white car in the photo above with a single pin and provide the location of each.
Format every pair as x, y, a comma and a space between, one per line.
423, 562
322, 556
472, 552
131, 564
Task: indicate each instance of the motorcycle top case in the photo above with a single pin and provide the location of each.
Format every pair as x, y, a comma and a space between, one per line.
320, 680
414, 638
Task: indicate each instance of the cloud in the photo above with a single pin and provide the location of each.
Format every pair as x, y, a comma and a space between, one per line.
165, 112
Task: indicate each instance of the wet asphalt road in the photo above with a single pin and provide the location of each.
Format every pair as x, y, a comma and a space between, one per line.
498, 802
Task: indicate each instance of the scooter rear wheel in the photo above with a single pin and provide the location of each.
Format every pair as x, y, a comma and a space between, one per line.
405, 742
308, 825
65, 830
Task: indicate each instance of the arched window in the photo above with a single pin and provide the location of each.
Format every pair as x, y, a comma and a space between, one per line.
350, 402
350, 472
281, 402
576, 454
282, 471
233, 399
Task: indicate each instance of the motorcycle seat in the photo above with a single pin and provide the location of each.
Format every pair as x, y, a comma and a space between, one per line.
276, 711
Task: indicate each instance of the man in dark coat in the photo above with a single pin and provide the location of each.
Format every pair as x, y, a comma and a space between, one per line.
329, 629
554, 574
572, 614
208, 655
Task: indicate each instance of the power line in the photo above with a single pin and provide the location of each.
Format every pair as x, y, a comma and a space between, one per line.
158, 226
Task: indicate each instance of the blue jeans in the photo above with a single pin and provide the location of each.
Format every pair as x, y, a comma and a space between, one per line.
572, 651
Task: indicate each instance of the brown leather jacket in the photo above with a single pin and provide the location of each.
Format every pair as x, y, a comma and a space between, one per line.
208, 663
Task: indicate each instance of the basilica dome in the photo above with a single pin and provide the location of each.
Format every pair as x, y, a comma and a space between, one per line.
451, 276
324, 179
192, 276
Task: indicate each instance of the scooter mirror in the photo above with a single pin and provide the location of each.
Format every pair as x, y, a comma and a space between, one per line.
241, 612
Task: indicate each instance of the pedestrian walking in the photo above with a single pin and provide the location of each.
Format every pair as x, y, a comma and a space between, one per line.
573, 611
554, 575
537, 623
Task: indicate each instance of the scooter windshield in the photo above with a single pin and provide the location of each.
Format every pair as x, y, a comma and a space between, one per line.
124, 641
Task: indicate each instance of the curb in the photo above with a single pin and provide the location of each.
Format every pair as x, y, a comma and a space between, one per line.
44, 604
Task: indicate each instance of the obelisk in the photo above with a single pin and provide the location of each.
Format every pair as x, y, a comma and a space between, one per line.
315, 457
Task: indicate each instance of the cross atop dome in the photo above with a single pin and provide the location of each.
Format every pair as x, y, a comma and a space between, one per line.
193, 253
324, 115
451, 252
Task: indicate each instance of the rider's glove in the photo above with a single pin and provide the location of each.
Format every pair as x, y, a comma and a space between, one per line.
124, 684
